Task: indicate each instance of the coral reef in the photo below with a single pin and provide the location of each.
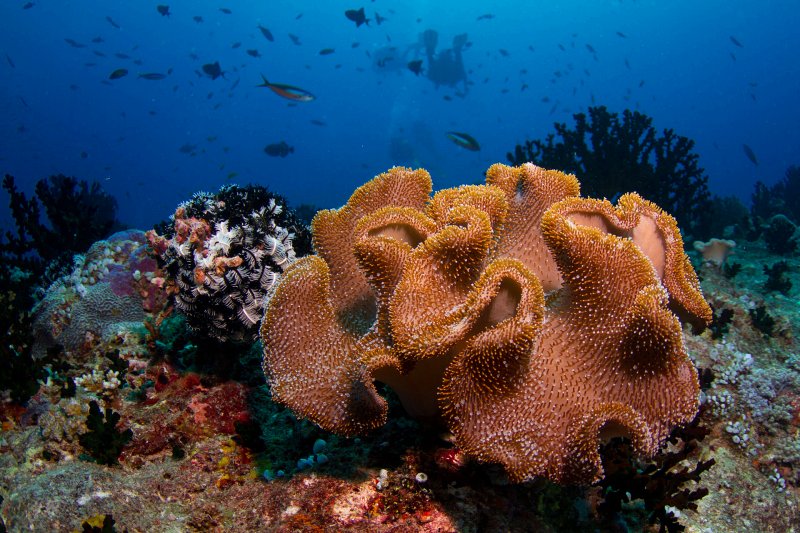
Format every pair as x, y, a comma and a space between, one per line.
535, 322
223, 254
114, 283
612, 154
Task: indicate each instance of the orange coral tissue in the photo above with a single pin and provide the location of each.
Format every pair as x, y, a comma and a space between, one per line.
533, 322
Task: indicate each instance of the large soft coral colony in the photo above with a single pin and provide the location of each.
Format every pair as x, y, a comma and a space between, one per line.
534, 322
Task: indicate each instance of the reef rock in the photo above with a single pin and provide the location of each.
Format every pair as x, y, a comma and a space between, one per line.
533, 322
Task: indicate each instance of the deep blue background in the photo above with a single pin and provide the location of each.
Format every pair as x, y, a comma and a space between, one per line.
131, 129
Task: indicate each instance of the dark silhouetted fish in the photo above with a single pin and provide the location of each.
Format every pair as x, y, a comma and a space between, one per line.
504, 52
751, 155
225, 10
619, 33
119, 73
415, 66
464, 140
379, 19
487, 16
357, 16
197, 18
318, 122
590, 48
152, 76
326, 51
28, 5
236, 45
253, 53
280, 149
111, 21
295, 39
10, 61
73, 43
627, 64
163, 9
122, 56
213, 70
266, 33
84, 155
735, 41
187, 148
561, 46
290, 92
97, 40
733, 56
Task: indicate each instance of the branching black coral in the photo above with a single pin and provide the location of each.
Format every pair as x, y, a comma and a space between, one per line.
612, 154
661, 483
78, 213
103, 441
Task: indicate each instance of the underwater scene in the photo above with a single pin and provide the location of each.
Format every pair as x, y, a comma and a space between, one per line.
379, 266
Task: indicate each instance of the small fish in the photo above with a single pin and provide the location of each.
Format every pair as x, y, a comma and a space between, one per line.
318, 122
379, 19
266, 33
415, 66
357, 16
504, 52
253, 52
163, 9
290, 92
225, 10
73, 43
620, 34
487, 16
751, 155
464, 140
84, 155
97, 40
198, 19
122, 56
236, 45
561, 46
590, 48
153, 76
733, 56
28, 5
111, 21
231, 175
295, 39
10, 61
119, 73
187, 148
326, 51
627, 64
213, 70
735, 41
280, 149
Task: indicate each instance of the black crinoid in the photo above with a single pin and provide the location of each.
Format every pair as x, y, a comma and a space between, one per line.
223, 253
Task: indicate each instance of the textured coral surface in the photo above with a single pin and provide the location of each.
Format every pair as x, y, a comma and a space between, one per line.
534, 322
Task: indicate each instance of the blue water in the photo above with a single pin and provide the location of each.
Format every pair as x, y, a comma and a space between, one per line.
60, 115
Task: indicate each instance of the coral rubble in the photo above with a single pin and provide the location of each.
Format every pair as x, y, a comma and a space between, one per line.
535, 322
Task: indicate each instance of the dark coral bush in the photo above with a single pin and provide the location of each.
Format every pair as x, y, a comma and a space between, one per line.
612, 154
